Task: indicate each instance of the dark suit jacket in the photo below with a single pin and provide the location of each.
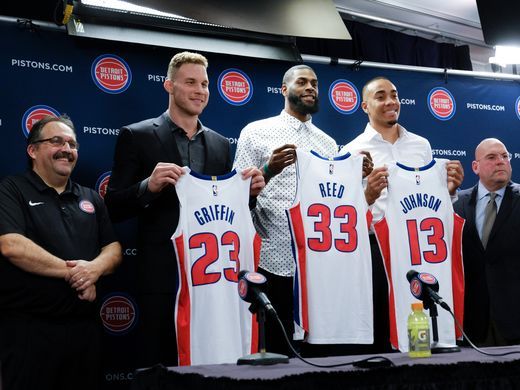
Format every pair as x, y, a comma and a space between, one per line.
492, 275
139, 148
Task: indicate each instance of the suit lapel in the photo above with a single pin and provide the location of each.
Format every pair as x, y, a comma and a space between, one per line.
470, 209
167, 140
504, 211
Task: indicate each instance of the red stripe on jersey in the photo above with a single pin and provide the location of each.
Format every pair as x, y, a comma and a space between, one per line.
295, 216
257, 244
383, 239
457, 272
370, 217
183, 307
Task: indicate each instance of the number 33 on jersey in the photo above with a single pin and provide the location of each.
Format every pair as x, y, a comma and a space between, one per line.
329, 227
214, 240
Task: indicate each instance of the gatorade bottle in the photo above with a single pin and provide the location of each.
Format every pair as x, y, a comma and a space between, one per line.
418, 332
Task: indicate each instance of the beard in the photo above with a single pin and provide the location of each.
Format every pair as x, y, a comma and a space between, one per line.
299, 106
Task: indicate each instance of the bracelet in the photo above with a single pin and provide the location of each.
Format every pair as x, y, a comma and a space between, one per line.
266, 170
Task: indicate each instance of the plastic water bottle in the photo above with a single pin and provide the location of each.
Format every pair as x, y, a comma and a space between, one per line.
418, 332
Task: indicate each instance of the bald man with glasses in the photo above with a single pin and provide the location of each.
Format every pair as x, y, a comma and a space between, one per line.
491, 248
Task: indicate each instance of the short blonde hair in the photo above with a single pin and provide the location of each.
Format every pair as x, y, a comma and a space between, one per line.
185, 57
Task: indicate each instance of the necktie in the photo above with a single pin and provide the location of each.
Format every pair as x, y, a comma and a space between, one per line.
490, 214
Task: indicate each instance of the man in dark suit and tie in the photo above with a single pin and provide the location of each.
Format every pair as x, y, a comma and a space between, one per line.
491, 249
147, 163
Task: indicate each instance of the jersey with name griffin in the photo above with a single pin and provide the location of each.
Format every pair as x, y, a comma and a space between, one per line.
214, 240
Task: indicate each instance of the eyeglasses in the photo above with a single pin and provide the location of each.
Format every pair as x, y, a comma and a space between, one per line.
496, 157
59, 141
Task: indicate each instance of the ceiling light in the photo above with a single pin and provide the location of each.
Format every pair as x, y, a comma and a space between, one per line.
125, 6
505, 55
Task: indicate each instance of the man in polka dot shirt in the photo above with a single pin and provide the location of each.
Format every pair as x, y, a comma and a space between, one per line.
271, 144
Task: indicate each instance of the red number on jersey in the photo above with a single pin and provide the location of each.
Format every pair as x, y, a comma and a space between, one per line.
211, 252
322, 226
435, 237
231, 239
350, 228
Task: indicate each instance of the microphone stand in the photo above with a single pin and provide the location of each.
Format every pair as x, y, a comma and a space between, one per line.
261, 358
437, 347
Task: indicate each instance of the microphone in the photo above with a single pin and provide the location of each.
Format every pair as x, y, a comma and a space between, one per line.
424, 286
250, 286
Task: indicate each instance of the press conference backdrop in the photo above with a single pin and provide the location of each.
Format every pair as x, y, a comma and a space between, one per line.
103, 85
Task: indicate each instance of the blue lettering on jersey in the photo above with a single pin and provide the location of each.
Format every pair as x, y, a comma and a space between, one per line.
331, 190
413, 201
217, 212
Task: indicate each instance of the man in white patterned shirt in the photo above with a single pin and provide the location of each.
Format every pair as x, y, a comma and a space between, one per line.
270, 143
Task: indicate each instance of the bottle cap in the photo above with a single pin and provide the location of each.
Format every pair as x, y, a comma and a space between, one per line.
417, 306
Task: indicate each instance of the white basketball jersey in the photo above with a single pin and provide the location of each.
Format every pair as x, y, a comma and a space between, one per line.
420, 231
214, 240
329, 227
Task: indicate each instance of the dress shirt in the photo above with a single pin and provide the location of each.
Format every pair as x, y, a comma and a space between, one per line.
409, 149
255, 146
191, 150
482, 201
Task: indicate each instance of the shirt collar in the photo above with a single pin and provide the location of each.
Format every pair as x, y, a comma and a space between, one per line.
372, 133
174, 127
40, 185
294, 122
483, 191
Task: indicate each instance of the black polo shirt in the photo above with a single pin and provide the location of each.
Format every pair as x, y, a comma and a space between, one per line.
73, 225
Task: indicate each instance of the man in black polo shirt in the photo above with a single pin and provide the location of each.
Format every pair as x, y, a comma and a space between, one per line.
56, 240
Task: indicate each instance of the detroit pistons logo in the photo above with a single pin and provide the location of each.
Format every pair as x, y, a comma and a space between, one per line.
118, 314
427, 278
34, 114
344, 97
102, 184
441, 103
111, 74
415, 287
517, 107
242, 288
235, 87
87, 207
255, 277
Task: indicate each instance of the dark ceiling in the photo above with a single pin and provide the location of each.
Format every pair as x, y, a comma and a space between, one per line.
35, 10
269, 16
